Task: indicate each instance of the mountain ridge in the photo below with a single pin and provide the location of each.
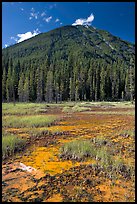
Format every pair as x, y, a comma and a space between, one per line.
73, 26
82, 33
79, 56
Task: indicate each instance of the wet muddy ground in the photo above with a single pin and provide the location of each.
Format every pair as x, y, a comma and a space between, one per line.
38, 174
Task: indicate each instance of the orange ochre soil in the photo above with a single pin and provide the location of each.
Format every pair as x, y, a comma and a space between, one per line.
52, 179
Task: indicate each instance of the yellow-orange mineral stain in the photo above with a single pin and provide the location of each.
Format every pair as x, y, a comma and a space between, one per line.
84, 126
55, 198
46, 160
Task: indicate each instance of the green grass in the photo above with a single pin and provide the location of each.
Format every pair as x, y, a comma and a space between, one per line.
10, 144
104, 157
23, 108
27, 121
39, 132
78, 108
66, 109
113, 112
130, 133
71, 107
75, 108
38, 108
29, 116
79, 150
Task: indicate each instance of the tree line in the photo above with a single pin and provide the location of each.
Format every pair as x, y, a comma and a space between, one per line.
73, 79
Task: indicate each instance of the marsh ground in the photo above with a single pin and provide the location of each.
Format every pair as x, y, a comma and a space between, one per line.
41, 172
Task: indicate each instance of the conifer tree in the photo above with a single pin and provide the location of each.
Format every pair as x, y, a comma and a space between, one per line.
32, 85
21, 88
72, 90
26, 90
4, 85
9, 85
39, 78
49, 87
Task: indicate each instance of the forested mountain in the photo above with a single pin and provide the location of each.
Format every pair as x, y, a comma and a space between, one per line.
69, 63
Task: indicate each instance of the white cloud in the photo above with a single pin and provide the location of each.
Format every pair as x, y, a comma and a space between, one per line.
27, 35
32, 9
22, 9
33, 14
52, 6
43, 14
47, 19
6, 45
13, 38
57, 20
83, 21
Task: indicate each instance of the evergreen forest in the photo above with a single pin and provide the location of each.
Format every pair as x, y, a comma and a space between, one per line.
71, 63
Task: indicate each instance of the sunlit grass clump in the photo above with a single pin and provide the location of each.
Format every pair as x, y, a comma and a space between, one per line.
81, 149
77, 150
66, 109
23, 108
28, 121
10, 144
75, 108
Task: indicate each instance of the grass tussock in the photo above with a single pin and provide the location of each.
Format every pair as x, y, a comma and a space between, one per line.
10, 144
28, 121
75, 108
77, 150
66, 109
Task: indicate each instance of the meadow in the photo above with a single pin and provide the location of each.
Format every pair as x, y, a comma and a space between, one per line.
87, 150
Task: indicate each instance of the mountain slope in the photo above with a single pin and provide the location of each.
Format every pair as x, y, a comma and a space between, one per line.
85, 40
74, 52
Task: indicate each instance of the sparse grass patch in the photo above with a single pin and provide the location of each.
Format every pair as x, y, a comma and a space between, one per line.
127, 133
10, 144
28, 121
113, 112
119, 167
36, 132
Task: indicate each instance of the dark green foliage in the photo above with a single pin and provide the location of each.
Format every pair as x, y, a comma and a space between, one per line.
20, 88
4, 85
69, 63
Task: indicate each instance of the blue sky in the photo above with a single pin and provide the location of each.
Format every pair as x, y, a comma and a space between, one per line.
22, 20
